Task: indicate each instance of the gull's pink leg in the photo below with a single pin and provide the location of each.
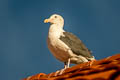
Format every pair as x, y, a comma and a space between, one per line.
66, 65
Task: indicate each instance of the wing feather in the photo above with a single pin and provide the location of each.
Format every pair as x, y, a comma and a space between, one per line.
75, 44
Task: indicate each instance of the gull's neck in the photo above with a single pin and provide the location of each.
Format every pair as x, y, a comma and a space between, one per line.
55, 30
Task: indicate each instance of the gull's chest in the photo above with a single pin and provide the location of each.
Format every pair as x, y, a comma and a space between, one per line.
58, 48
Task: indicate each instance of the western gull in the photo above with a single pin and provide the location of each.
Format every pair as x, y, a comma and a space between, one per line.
65, 46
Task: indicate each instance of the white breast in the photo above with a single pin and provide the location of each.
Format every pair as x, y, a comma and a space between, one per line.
59, 49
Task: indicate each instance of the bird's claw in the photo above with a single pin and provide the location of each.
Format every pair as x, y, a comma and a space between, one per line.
59, 72
91, 63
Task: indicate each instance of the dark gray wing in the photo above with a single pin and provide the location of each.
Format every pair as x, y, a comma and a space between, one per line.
75, 44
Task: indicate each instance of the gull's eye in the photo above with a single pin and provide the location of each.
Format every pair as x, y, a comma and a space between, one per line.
55, 16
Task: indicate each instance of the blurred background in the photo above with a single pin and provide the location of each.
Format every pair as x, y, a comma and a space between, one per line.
23, 47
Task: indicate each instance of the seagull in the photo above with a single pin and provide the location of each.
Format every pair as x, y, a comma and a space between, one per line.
65, 46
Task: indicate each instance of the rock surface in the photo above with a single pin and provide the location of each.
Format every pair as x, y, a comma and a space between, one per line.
105, 69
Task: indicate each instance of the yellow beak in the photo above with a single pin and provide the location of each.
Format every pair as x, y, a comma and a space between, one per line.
46, 20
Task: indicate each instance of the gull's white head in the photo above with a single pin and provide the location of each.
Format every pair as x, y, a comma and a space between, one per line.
55, 19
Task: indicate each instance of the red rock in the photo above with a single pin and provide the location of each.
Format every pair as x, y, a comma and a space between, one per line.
118, 77
105, 69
